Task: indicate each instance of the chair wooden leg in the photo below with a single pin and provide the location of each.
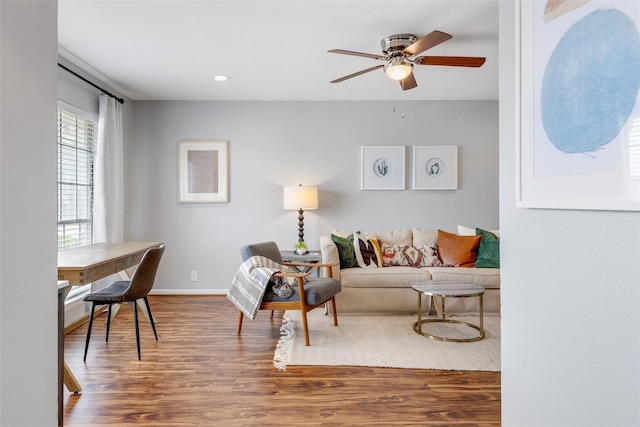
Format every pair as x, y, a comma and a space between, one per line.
86, 345
240, 322
135, 321
153, 324
306, 327
335, 312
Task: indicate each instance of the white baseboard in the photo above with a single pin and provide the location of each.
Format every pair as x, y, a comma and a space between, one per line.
189, 292
75, 309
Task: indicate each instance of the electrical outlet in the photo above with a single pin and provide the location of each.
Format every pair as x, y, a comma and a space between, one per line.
194, 276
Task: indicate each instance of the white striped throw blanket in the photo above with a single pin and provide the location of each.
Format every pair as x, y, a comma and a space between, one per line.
250, 283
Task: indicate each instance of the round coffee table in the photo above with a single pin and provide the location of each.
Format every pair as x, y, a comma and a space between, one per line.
448, 290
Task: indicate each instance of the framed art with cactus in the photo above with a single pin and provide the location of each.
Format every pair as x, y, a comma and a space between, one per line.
435, 167
383, 168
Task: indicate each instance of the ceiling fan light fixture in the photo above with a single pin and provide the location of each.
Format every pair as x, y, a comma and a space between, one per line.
398, 68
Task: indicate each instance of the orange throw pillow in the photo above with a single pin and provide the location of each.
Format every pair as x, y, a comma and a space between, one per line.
458, 251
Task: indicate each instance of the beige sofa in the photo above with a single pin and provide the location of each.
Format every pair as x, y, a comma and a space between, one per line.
389, 289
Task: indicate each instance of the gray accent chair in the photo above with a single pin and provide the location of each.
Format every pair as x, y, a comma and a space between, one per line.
316, 290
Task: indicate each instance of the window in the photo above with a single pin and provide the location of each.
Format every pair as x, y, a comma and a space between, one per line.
77, 137
76, 142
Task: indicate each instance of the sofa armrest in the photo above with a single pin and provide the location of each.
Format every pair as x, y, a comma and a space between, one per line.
329, 253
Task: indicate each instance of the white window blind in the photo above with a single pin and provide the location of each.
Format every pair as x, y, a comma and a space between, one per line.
77, 135
76, 144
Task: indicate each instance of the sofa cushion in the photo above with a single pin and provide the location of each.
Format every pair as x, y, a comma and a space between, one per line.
423, 237
489, 278
367, 251
346, 251
400, 237
387, 277
457, 251
343, 233
488, 250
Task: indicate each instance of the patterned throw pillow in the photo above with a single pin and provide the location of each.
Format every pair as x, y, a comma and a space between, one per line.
422, 256
392, 254
367, 251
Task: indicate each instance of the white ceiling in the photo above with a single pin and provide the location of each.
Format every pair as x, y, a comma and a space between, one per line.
274, 50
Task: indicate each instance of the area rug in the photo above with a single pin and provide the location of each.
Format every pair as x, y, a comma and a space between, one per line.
387, 341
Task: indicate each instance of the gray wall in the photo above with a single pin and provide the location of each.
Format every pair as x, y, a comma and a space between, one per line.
570, 297
276, 144
28, 291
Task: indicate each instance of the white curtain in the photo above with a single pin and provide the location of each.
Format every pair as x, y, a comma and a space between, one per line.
108, 187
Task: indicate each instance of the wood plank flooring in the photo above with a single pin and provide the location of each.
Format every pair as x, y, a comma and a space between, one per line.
200, 373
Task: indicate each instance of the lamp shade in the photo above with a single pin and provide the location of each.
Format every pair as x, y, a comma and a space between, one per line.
300, 197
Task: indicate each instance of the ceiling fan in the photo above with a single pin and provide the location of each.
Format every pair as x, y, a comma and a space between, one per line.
399, 52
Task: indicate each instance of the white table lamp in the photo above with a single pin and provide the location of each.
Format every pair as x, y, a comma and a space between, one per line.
300, 198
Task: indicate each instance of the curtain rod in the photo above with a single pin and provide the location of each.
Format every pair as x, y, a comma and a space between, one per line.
106, 92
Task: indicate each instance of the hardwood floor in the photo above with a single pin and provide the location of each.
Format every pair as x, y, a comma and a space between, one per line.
200, 373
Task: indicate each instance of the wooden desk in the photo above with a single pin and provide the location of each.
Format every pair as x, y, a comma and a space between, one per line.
87, 264
90, 263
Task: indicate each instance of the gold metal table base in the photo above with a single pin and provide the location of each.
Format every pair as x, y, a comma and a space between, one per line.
418, 328
445, 292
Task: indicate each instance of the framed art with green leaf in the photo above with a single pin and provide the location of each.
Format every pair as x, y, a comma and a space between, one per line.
383, 168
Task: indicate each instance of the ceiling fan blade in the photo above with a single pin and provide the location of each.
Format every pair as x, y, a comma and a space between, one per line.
350, 52
432, 39
341, 79
451, 61
408, 82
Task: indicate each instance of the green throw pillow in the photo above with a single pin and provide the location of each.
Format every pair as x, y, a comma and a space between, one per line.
346, 251
489, 250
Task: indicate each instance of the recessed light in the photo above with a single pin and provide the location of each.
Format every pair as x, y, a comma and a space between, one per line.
221, 78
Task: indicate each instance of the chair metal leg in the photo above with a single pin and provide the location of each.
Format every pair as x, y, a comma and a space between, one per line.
86, 345
108, 323
240, 322
153, 325
135, 321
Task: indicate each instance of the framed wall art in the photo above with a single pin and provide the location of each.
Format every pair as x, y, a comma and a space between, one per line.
203, 172
435, 167
383, 168
579, 142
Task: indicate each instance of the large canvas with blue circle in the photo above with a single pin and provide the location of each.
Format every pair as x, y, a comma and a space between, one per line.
586, 83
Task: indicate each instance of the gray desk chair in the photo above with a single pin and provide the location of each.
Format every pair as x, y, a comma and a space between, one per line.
128, 291
316, 291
